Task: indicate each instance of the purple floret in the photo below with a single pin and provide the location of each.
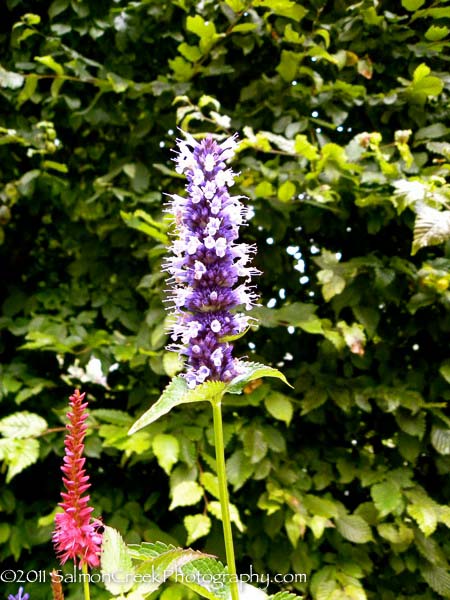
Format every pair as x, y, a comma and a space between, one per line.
209, 270
19, 596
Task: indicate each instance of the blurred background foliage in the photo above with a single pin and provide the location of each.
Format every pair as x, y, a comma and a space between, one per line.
341, 109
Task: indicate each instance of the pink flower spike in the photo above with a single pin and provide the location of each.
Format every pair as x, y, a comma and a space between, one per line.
75, 535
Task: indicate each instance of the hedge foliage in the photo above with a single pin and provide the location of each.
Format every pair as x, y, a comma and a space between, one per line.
341, 111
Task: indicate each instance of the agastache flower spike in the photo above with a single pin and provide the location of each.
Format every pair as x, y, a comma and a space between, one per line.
209, 273
75, 535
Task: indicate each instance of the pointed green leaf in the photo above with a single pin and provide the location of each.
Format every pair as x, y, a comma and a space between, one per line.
186, 493
210, 482
167, 449
112, 416
425, 515
18, 454
51, 63
286, 191
159, 562
431, 227
440, 438
22, 425
279, 406
239, 469
206, 576
320, 506
176, 393
215, 509
251, 371
396, 535
354, 528
412, 5
116, 566
386, 497
197, 526
285, 8
438, 579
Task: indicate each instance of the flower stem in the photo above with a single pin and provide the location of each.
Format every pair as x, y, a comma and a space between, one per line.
223, 495
85, 572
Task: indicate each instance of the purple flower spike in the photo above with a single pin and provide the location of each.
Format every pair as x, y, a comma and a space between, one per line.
209, 270
19, 596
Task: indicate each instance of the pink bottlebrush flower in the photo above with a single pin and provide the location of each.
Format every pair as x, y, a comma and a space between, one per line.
75, 535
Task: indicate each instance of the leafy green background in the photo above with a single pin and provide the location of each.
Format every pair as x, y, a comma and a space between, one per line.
341, 111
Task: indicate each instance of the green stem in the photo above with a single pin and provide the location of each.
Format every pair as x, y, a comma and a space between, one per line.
223, 495
84, 570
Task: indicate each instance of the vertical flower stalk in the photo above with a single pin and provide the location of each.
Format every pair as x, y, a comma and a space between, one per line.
209, 269
210, 281
75, 536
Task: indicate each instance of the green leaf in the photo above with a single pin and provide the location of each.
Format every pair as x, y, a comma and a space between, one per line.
112, 416
116, 566
161, 561
186, 493
314, 398
386, 497
279, 406
284, 8
412, 5
210, 483
444, 370
438, 578
236, 5
51, 63
255, 445
431, 132
354, 528
396, 535
57, 7
239, 469
28, 90
176, 393
411, 424
183, 71
56, 166
18, 454
249, 371
197, 526
320, 506
286, 191
167, 450
305, 148
22, 425
424, 85
143, 222
289, 64
431, 227
215, 509
264, 189
5, 532
244, 27
207, 577
436, 33
191, 53
425, 515
206, 31
440, 438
